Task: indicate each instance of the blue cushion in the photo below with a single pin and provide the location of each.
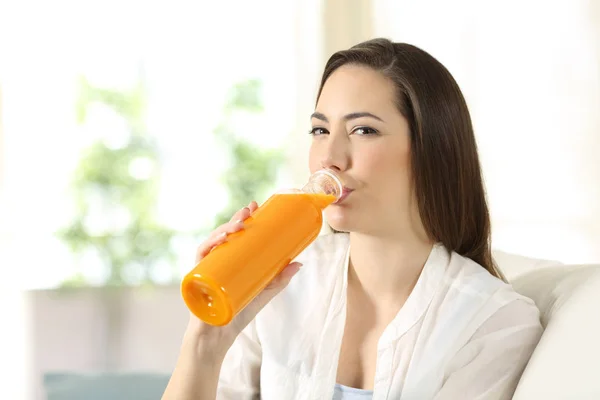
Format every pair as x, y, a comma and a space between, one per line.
106, 386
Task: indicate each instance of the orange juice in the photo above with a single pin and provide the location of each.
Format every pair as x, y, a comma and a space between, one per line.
235, 272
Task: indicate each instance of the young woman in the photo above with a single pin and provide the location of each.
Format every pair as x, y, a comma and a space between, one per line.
403, 300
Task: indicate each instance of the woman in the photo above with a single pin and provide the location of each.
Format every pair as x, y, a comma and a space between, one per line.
403, 301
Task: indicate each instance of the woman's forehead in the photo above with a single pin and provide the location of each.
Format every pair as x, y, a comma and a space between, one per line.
352, 89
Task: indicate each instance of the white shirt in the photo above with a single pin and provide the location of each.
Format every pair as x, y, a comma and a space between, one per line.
462, 334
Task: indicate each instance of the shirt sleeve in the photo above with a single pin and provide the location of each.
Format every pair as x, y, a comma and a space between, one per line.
240, 373
490, 365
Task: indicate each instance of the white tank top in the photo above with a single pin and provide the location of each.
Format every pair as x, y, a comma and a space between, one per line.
342, 392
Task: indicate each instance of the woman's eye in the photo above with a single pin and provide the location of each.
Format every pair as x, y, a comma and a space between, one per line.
318, 131
364, 131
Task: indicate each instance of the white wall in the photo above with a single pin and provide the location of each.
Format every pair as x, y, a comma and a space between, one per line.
530, 71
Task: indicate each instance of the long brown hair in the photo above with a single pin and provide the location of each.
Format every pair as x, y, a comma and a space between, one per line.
446, 172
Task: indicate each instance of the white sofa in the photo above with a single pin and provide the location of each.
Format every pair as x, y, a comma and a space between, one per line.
566, 362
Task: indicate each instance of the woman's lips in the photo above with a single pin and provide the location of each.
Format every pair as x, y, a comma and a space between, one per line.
345, 193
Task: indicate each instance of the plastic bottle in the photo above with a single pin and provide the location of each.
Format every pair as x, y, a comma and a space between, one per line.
235, 272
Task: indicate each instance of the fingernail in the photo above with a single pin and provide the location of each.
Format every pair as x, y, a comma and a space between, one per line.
223, 234
295, 270
239, 221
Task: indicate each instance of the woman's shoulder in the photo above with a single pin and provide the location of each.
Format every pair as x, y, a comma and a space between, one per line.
469, 301
469, 282
471, 278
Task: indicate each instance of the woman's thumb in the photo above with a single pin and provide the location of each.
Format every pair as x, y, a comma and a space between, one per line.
275, 287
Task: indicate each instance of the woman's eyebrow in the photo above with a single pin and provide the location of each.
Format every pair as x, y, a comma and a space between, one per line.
347, 117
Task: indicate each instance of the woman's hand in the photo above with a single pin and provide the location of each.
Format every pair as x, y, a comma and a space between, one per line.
204, 346
214, 341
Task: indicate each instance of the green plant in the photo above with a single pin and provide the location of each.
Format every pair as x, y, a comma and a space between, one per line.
123, 183
105, 183
253, 170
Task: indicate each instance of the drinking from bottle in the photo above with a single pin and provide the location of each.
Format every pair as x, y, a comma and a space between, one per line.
235, 272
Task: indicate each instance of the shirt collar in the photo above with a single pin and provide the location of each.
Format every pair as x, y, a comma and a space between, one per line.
421, 296
419, 299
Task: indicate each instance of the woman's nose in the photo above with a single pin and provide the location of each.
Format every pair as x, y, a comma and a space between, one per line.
335, 155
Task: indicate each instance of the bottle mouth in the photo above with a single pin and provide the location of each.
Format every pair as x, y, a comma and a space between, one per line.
325, 181
338, 189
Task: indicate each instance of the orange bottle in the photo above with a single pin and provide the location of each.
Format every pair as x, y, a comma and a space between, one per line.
235, 272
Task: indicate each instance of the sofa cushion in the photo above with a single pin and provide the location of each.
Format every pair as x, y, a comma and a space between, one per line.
113, 386
514, 265
565, 363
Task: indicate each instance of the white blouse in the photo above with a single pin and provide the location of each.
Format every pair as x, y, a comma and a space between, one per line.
462, 334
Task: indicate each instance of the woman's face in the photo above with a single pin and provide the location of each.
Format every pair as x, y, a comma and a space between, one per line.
359, 132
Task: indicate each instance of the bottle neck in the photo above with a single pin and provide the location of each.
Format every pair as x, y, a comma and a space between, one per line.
324, 182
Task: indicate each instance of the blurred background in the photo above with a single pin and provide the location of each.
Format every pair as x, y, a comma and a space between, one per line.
129, 129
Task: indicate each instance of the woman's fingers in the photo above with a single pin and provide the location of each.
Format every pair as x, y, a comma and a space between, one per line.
252, 206
244, 213
219, 235
240, 215
284, 277
237, 221
209, 244
264, 297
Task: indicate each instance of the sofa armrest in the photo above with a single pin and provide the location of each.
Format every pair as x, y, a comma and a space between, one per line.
565, 363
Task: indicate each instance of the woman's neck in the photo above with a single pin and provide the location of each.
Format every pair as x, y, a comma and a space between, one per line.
386, 269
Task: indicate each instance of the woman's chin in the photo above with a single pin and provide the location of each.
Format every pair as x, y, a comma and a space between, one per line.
338, 220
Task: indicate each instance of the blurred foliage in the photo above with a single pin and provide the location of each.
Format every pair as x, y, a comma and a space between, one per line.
106, 184
253, 170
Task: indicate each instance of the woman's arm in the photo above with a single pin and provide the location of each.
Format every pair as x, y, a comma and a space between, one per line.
196, 374
235, 348
213, 363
